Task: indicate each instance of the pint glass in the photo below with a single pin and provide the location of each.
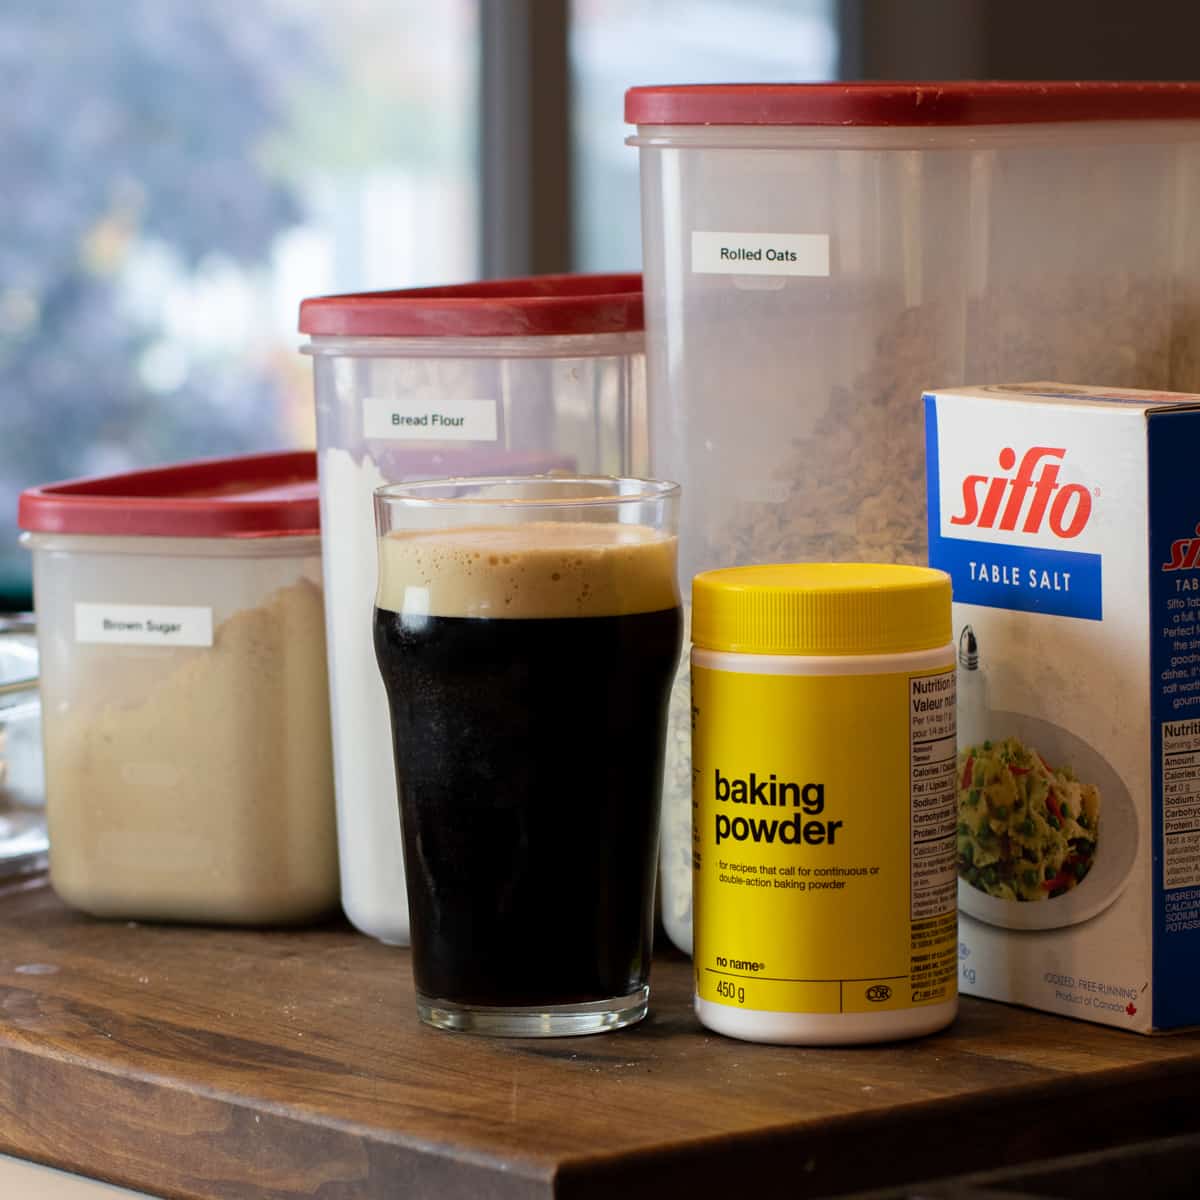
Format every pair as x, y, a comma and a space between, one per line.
527, 631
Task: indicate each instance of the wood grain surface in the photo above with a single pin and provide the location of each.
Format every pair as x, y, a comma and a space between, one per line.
199, 1062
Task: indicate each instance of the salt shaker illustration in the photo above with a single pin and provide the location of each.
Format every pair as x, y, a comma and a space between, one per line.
972, 691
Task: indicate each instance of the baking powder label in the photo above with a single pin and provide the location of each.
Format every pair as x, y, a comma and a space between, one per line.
823, 840
430, 420
760, 253
143, 624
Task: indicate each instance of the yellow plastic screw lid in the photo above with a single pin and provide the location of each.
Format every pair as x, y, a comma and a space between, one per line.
821, 608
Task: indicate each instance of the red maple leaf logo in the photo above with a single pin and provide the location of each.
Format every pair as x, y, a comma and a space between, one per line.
1131, 1008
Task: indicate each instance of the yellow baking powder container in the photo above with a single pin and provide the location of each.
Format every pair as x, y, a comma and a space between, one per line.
823, 767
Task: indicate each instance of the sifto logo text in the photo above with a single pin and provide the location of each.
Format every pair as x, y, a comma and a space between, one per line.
1028, 501
1013, 516
1185, 553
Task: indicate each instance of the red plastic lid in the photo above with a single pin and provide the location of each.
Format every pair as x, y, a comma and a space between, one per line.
967, 103
537, 306
248, 496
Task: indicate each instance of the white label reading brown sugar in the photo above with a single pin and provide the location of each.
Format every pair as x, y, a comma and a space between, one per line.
760, 253
430, 420
143, 624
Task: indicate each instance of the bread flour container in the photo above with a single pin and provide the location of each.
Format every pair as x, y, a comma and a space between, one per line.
817, 255
507, 377
185, 706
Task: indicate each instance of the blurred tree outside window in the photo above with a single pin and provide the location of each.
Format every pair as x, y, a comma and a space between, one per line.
175, 176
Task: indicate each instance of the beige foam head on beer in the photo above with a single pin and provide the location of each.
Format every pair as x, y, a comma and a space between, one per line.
532, 570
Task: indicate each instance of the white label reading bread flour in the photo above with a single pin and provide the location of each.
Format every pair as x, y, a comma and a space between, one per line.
143, 624
760, 253
430, 420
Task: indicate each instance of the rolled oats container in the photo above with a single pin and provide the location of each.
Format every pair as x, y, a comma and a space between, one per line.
815, 255
506, 377
185, 703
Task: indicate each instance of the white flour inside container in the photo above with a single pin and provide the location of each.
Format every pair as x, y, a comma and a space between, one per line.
373, 890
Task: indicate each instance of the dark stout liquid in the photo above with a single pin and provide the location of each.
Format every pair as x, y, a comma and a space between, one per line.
529, 761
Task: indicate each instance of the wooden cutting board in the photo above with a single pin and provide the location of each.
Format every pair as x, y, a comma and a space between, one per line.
199, 1062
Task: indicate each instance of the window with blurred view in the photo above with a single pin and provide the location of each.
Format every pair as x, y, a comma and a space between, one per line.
175, 176
617, 44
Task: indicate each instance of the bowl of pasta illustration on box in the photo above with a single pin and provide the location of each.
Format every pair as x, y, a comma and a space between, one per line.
1047, 831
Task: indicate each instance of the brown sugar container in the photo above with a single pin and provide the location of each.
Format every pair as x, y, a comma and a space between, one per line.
184, 691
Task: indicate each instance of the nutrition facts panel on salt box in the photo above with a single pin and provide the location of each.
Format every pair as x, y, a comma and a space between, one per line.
1181, 803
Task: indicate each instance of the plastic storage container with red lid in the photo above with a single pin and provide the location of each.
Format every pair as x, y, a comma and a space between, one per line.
815, 255
503, 377
184, 691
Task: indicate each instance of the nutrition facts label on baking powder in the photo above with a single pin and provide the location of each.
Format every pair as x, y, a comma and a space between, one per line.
933, 761
1181, 803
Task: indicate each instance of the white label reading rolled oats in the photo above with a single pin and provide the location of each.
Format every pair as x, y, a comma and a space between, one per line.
143, 624
430, 420
760, 253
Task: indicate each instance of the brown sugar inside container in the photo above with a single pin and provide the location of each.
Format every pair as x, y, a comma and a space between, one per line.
186, 715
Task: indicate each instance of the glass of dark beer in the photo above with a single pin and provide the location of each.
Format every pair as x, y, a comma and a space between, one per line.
527, 631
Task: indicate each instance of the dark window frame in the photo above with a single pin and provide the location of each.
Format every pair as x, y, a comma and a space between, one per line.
524, 138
